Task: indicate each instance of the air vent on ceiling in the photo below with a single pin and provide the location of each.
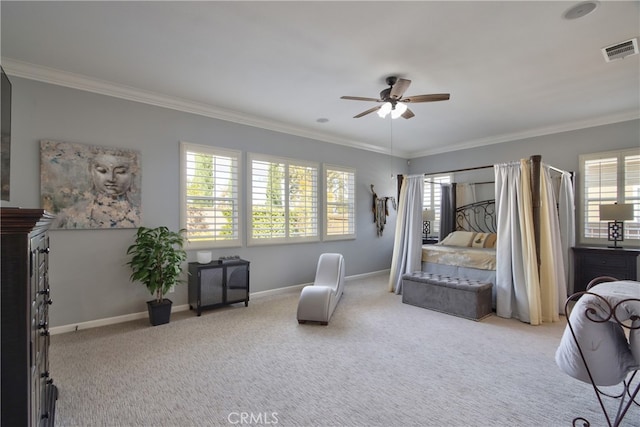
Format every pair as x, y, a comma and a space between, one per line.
620, 50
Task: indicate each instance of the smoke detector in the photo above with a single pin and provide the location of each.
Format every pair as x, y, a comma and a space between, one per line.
620, 50
580, 10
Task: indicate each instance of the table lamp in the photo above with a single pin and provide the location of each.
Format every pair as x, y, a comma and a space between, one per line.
428, 215
618, 213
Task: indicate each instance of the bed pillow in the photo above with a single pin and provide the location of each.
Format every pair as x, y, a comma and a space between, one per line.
490, 241
484, 240
479, 240
459, 238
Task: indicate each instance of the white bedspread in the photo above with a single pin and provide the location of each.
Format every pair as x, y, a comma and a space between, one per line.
480, 258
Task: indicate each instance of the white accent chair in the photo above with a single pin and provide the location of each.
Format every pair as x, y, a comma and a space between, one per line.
318, 301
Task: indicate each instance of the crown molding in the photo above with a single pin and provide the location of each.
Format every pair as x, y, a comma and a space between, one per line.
532, 133
54, 76
77, 81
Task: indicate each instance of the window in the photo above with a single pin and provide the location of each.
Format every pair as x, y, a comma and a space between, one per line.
432, 194
340, 203
210, 196
608, 178
284, 200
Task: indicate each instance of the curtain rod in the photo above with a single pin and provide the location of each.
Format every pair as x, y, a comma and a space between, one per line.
460, 170
556, 169
460, 183
484, 167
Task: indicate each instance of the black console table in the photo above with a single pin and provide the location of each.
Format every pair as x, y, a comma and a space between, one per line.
218, 283
592, 262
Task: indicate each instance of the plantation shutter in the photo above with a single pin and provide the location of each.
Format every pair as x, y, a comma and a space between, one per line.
340, 203
611, 177
284, 200
211, 195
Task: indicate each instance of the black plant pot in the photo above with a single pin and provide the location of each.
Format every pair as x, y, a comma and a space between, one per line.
159, 312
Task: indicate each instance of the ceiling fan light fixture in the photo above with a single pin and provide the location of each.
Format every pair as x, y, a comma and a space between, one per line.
399, 110
392, 100
384, 110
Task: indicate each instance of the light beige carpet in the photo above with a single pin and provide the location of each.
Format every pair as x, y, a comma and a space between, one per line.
378, 363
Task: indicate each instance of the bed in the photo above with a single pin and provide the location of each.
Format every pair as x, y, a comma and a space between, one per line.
469, 251
533, 216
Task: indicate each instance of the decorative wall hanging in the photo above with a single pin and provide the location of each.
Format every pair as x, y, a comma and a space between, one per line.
90, 187
380, 210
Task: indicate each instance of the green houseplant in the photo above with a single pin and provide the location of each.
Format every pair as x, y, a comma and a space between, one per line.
156, 258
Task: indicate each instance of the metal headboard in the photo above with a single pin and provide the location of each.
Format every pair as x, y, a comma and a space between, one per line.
479, 217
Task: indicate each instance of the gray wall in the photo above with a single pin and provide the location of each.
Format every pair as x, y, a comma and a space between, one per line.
88, 275
560, 150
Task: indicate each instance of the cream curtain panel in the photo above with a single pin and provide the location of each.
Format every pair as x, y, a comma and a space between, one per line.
407, 246
517, 281
553, 284
524, 292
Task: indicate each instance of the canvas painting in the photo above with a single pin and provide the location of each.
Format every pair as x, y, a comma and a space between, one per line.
90, 187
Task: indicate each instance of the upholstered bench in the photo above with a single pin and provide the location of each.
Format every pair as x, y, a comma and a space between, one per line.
461, 297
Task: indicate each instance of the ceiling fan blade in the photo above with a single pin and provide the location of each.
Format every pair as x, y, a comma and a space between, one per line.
399, 87
370, 110
427, 98
359, 98
408, 114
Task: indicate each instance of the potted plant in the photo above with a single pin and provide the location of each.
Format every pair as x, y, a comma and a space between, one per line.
157, 255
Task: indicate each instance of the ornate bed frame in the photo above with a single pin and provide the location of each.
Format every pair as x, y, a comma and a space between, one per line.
479, 217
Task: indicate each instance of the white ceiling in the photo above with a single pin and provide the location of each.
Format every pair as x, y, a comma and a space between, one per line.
513, 69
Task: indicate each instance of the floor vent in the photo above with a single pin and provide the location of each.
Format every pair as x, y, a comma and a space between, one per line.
620, 50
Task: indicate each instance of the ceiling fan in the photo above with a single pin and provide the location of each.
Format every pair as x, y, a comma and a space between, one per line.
393, 102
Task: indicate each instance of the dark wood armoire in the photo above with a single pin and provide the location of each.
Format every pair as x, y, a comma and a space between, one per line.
28, 393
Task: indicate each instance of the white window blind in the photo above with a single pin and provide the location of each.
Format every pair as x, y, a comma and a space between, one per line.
284, 200
340, 203
607, 178
632, 195
432, 196
210, 187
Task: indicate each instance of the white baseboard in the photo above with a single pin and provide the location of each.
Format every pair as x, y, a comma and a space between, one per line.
369, 274
143, 314
109, 321
297, 288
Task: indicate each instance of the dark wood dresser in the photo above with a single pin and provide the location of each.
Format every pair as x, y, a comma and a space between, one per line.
591, 262
28, 394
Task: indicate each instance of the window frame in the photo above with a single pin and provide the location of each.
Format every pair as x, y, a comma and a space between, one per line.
326, 168
620, 197
238, 199
287, 238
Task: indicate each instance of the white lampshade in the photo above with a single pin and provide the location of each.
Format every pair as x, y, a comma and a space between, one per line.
399, 110
384, 110
428, 215
616, 212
